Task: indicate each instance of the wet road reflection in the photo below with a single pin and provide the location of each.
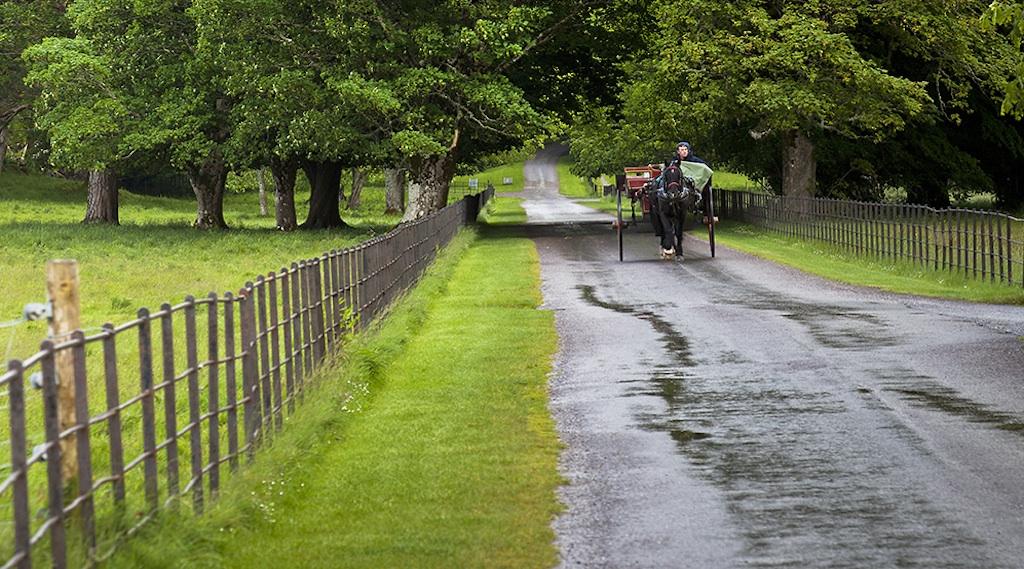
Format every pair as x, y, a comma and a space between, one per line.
798, 412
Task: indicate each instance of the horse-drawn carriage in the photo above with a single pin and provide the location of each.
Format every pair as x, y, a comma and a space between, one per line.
688, 192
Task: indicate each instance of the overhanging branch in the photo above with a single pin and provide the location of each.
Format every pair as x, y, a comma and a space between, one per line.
7, 116
548, 34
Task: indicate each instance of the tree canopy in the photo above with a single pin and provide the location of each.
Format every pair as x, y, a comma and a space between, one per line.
840, 99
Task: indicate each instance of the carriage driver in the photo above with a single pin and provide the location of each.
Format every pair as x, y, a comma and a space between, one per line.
659, 210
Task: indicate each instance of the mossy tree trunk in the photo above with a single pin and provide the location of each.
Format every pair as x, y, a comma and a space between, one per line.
283, 172
208, 181
799, 165
394, 190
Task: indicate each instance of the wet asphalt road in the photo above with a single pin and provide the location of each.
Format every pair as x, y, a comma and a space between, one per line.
729, 412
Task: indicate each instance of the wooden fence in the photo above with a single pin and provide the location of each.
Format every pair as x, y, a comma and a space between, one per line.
977, 244
168, 404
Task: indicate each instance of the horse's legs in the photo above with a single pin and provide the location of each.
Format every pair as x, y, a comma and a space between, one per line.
680, 217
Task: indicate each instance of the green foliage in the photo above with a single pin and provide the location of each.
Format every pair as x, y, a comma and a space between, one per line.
1009, 15
891, 94
78, 104
23, 23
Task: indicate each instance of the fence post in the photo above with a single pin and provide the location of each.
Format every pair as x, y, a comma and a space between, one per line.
148, 409
86, 509
19, 468
62, 287
250, 370
194, 413
55, 482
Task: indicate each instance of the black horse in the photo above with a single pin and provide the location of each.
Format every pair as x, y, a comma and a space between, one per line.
669, 205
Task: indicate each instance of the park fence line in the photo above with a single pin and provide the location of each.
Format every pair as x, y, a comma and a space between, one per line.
982, 245
260, 349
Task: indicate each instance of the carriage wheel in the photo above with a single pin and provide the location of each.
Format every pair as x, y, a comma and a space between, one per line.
618, 219
711, 221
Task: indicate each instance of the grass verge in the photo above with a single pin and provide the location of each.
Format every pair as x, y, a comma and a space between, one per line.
496, 176
570, 185
431, 447
843, 266
504, 211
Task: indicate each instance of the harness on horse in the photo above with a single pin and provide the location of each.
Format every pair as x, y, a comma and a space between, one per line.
678, 188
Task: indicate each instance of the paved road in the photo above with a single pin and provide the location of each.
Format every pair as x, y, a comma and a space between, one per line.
542, 202
734, 413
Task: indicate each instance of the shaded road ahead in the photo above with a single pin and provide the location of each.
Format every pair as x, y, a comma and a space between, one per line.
734, 413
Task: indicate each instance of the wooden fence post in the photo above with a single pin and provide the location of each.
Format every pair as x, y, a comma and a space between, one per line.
62, 288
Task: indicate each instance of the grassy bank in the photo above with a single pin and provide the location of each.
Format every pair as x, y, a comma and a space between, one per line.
432, 446
833, 263
496, 176
570, 185
504, 211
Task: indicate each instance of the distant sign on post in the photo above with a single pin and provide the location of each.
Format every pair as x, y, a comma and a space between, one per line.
507, 181
474, 183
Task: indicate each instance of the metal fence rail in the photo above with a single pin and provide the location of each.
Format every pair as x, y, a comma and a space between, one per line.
977, 244
186, 394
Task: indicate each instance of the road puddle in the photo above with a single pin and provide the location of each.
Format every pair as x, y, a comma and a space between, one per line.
922, 392
831, 326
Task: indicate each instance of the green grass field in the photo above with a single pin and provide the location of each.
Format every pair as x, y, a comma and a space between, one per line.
153, 256
431, 447
570, 185
504, 211
836, 264
496, 176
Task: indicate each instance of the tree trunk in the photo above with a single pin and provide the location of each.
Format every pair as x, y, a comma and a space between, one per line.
324, 199
799, 166
929, 193
3, 147
428, 188
283, 172
208, 181
102, 198
263, 192
358, 181
394, 190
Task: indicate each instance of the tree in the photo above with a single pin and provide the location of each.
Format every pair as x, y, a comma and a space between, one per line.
439, 77
394, 190
784, 67
172, 87
22, 23
1009, 15
84, 115
885, 93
